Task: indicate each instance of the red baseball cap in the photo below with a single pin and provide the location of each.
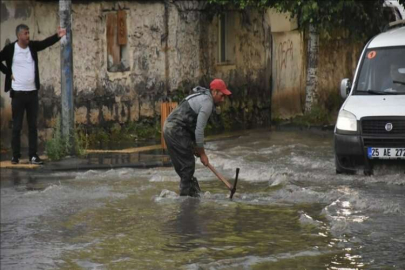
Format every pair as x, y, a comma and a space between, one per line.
218, 84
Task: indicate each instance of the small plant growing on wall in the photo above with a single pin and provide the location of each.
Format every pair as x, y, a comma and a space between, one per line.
58, 147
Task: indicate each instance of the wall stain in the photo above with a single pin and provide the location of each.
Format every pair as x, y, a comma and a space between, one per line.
22, 11
4, 12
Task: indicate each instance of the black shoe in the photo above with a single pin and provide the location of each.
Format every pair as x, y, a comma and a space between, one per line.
36, 160
15, 160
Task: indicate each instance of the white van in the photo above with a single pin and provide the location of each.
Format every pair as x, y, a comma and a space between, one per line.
371, 121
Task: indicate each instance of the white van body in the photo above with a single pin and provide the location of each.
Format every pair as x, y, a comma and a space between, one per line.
371, 121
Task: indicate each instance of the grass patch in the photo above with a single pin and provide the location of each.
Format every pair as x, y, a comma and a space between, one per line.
324, 112
59, 146
115, 134
318, 116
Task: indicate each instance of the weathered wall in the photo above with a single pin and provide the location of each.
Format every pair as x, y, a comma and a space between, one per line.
338, 59
168, 49
249, 75
184, 48
288, 74
103, 96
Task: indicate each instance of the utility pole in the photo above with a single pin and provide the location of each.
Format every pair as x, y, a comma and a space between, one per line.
67, 118
312, 68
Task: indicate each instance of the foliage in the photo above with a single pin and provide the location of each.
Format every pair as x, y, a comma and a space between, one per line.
324, 112
363, 18
81, 143
143, 130
184, 89
58, 147
114, 134
318, 116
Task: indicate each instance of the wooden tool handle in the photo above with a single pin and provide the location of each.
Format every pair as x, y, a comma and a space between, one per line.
220, 177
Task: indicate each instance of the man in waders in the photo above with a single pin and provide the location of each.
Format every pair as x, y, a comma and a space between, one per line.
183, 132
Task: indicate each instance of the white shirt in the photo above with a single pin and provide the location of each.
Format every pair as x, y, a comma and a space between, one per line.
23, 69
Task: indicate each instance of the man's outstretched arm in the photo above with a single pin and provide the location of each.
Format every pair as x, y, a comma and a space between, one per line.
43, 44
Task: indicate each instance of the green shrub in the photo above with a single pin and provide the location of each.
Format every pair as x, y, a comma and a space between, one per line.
318, 116
142, 130
58, 147
81, 143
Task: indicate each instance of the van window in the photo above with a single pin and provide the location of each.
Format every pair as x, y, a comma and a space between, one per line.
382, 72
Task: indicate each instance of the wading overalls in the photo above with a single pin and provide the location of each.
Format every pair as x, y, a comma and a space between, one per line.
179, 135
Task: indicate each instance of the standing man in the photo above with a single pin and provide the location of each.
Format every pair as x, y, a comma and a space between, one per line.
184, 132
22, 80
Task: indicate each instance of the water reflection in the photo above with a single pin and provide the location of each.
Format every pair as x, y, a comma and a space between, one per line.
16, 179
188, 225
188, 221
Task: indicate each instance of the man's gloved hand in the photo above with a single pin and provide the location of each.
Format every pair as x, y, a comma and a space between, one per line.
199, 152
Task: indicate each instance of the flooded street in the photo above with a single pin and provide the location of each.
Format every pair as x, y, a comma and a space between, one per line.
290, 211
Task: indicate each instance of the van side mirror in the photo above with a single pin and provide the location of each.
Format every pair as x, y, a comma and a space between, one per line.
345, 87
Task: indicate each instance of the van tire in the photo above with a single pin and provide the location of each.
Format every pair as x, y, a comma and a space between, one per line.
341, 170
368, 172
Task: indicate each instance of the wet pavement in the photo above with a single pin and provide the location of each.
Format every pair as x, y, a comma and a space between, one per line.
290, 211
154, 156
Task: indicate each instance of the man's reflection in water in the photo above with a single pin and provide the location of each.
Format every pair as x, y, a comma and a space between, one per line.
19, 178
31, 184
188, 225
15, 176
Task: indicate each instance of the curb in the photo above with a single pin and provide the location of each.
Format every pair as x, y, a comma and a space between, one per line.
83, 167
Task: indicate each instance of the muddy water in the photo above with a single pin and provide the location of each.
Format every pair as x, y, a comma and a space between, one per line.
291, 211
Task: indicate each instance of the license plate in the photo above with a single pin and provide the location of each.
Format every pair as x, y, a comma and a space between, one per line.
386, 153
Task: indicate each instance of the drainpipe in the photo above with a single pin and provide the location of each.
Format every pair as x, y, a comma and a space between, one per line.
165, 38
67, 118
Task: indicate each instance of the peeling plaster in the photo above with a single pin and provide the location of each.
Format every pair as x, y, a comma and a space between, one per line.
81, 115
4, 12
155, 69
22, 11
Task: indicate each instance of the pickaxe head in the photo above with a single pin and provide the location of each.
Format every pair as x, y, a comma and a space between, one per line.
233, 190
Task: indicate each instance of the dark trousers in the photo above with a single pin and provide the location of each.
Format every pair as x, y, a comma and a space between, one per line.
180, 148
24, 101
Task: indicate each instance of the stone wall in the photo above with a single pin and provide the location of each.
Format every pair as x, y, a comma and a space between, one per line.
288, 74
337, 59
249, 75
168, 50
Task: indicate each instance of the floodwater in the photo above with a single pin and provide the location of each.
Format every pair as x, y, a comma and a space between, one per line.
290, 211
